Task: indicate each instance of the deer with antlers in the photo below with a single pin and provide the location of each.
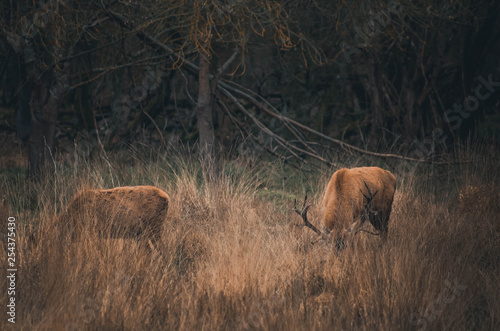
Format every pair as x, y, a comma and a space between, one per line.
352, 197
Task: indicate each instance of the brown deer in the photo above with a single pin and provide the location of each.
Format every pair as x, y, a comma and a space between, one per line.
352, 197
121, 212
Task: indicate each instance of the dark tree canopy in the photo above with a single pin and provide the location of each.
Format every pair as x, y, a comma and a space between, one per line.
293, 78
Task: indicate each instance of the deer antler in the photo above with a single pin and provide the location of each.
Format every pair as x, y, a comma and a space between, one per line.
303, 214
368, 198
369, 212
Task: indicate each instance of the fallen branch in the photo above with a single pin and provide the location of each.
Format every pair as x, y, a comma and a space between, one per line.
285, 144
245, 133
228, 88
266, 107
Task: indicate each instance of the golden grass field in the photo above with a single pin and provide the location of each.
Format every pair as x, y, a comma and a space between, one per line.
231, 257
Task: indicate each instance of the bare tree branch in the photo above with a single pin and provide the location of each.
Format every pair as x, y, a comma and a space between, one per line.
228, 88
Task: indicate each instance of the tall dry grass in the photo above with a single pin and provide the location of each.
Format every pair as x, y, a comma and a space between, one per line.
231, 257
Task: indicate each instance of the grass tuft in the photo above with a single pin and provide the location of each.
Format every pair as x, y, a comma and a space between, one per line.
232, 257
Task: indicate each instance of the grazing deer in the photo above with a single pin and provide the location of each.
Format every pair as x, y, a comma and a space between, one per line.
352, 197
120, 212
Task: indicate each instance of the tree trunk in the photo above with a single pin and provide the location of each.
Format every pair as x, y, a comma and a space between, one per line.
23, 114
46, 99
204, 115
372, 87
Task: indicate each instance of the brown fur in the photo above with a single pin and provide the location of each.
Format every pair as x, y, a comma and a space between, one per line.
345, 204
126, 211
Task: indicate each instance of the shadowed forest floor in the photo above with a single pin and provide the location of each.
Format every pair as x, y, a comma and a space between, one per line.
232, 258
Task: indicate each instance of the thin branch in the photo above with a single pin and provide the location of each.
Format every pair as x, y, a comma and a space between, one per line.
157, 129
262, 126
245, 133
264, 105
285, 144
223, 68
104, 71
271, 111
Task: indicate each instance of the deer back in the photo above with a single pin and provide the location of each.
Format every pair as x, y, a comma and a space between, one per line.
345, 195
128, 210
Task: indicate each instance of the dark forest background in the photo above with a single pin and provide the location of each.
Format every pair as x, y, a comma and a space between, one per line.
237, 109
297, 79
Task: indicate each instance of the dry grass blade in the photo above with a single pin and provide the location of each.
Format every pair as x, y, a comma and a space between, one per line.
231, 258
